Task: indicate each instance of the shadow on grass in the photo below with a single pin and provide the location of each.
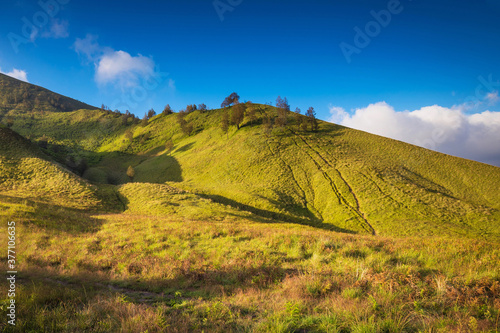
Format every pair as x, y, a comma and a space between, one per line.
192, 283
149, 168
266, 216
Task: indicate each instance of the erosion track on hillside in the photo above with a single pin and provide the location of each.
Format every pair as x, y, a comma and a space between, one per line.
306, 203
355, 209
369, 178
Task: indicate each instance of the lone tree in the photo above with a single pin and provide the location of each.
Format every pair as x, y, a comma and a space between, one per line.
282, 108
131, 173
151, 113
311, 114
234, 98
202, 107
144, 121
238, 114
167, 110
282, 103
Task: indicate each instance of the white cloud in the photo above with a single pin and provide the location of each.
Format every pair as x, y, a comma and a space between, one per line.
17, 74
493, 97
115, 67
58, 29
121, 68
448, 130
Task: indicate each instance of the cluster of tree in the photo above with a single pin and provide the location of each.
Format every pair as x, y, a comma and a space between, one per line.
237, 114
241, 110
147, 116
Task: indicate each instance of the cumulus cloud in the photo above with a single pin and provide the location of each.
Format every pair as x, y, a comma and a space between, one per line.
119, 68
447, 130
17, 74
58, 29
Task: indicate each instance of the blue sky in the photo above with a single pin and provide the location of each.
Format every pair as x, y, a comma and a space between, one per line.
131, 55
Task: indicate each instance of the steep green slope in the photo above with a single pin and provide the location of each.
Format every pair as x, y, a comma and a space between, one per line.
345, 179
27, 173
349, 179
24, 97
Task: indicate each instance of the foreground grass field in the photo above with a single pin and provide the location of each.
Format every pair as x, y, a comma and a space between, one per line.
203, 266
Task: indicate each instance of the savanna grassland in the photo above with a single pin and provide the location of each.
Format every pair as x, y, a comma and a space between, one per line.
258, 229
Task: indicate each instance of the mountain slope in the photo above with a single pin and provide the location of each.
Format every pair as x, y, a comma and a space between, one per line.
27, 173
355, 181
336, 177
18, 97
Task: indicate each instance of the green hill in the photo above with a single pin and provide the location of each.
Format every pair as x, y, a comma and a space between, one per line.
19, 100
260, 229
37, 190
338, 177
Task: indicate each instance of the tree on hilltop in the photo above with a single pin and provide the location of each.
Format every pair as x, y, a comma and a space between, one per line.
191, 108
282, 108
202, 107
151, 113
234, 98
167, 110
311, 114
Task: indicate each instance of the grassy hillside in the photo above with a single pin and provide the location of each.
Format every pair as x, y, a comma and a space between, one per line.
20, 97
339, 177
35, 189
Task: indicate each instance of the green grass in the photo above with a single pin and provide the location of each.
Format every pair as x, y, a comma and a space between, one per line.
242, 274
254, 230
349, 179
